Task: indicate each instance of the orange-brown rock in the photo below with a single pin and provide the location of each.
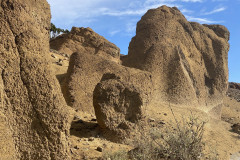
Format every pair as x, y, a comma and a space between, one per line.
85, 40
34, 119
189, 61
234, 91
234, 85
85, 72
120, 99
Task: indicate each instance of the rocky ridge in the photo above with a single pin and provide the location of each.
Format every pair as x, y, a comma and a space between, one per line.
85, 40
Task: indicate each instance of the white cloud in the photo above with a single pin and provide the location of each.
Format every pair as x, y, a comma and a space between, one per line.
202, 20
170, 1
131, 12
192, 0
67, 13
186, 11
219, 0
215, 11
114, 32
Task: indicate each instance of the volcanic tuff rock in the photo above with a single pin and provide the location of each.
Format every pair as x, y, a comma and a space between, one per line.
119, 105
234, 85
85, 72
34, 120
120, 99
85, 40
234, 91
189, 61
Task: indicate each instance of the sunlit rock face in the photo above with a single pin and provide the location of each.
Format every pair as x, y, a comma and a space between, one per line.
33, 111
188, 61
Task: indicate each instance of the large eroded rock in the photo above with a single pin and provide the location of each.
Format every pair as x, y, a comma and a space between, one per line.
85, 72
189, 61
34, 119
120, 101
85, 40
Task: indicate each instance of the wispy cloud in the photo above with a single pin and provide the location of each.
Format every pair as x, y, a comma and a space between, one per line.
186, 11
169, 1
130, 12
192, 0
67, 13
202, 20
114, 32
215, 11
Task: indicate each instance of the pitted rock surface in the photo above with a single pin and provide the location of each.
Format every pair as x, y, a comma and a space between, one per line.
188, 61
33, 114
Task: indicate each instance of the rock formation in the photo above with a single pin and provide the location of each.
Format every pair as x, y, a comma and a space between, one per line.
120, 100
234, 85
234, 91
85, 72
85, 40
34, 119
188, 60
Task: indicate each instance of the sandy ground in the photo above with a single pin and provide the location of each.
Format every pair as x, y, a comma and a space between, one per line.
88, 142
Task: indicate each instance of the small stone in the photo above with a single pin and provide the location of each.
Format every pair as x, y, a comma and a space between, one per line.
165, 114
66, 55
236, 128
161, 122
99, 149
151, 120
104, 145
60, 60
76, 117
91, 139
59, 63
53, 55
76, 147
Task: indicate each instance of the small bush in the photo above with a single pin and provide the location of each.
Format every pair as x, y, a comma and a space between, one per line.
120, 155
184, 141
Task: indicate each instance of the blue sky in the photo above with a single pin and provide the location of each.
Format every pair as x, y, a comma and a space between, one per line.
116, 19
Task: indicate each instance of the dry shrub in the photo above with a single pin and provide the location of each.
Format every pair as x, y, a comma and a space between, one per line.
120, 155
184, 141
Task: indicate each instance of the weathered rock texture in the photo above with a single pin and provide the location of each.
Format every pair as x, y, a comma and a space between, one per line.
234, 85
85, 40
34, 123
85, 72
234, 91
120, 100
189, 61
